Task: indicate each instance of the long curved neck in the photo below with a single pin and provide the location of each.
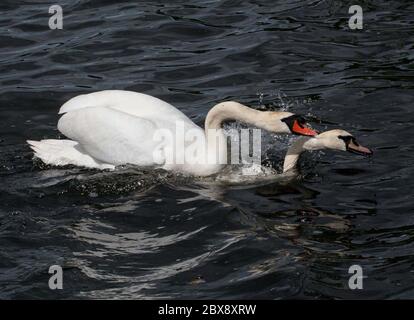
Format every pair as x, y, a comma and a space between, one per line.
296, 149
216, 139
231, 110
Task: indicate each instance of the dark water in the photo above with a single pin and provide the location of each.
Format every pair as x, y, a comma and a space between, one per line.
137, 234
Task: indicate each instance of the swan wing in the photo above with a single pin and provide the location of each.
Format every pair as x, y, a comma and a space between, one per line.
133, 103
113, 136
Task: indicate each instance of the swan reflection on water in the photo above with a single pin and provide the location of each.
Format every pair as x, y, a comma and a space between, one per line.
152, 241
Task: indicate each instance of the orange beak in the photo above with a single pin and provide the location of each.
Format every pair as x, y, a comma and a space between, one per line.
302, 130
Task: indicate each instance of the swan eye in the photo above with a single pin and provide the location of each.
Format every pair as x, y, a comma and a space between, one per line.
346, 139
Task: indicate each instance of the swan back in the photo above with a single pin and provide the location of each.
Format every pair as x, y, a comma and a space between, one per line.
132, 103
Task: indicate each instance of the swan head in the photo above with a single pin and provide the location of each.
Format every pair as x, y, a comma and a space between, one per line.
294, 124
337, 139
273, 121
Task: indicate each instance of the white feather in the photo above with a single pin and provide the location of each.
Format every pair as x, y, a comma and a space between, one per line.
64, 152
114, 127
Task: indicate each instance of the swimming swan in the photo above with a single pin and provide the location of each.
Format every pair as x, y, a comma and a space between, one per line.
333, 139
116, 127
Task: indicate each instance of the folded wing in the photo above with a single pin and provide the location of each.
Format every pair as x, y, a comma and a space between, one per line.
112, 136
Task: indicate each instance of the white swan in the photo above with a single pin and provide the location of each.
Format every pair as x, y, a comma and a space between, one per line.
115, 127
336, 139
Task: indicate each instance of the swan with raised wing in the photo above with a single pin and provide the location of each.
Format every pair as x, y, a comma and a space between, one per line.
116, 127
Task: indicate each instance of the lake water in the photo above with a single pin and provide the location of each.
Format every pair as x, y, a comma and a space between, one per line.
136, 233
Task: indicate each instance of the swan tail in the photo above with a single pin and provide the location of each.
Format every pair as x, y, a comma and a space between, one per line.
64, 152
